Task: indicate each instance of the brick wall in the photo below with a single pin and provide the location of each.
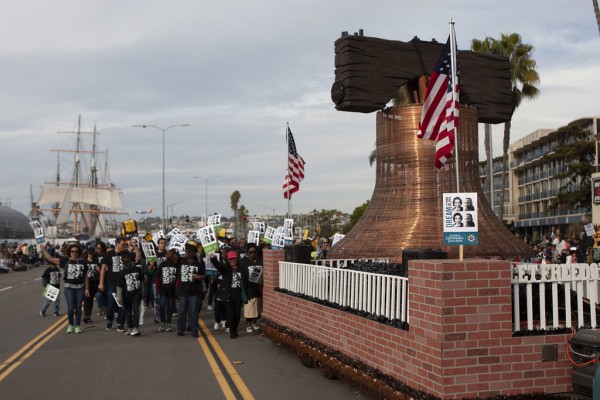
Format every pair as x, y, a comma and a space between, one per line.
460, 340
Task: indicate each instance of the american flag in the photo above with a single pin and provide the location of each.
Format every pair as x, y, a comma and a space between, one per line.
440, 113
295, 173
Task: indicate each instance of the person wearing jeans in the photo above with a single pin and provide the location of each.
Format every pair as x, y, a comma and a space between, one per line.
76, 283
112, 265
165, 287
191, 275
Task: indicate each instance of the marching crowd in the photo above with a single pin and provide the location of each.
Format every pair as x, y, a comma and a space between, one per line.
123, 282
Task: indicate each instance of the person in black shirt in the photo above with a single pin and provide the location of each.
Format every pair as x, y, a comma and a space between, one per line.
51, 276
231, 289
76, 283
129, 293
112, 264
190, 290
252, 266
93, 271
165, 287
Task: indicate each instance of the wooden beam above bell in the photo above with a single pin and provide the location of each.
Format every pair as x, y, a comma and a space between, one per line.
369, 71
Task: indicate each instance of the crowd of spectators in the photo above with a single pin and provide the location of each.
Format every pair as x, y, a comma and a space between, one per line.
17, 256
556, 247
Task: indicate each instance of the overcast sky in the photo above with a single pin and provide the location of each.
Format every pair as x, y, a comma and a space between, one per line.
237, 72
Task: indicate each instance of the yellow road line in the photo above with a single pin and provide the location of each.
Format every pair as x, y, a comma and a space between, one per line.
49, 333
216, 370
235, 377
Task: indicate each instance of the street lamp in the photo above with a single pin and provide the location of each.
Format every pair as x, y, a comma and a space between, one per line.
206, 192
164, 221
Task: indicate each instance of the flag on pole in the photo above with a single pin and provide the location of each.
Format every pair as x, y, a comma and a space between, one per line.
295, 171
439, 117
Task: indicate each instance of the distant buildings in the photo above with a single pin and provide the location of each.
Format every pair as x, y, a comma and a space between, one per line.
531, 185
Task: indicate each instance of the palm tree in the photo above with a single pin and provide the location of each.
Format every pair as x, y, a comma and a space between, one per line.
597, 13
486, 46
235, 200
523, 78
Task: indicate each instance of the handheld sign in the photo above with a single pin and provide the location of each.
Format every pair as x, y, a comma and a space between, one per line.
149, 252
38, 231
269, 233
253, 237
208, 238
178, 243
51, 292
336, 238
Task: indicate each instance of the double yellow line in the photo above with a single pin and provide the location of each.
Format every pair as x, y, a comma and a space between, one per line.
11, 363
219, 374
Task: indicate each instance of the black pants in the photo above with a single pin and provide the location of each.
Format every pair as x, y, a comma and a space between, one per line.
132, 309
234, 311
88, 302
220, 311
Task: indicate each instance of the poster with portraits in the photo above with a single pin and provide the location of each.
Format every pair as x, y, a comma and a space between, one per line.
178, 242
38, 231
259, 226
208, 238
269, 233
51, 293
460, 219
158, 235
253, 237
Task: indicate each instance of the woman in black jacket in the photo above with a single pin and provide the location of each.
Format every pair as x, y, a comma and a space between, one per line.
231, 289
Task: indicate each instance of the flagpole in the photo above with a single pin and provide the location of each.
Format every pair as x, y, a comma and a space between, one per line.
287, 147
453, 77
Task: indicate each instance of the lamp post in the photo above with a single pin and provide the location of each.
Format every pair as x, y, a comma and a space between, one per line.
164, 221
206, 192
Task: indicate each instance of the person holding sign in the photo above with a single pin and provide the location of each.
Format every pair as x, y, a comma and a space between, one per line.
165, 287
129, 292
112, 265
51, 276
231, 289
252, 265
76, 283
189, 291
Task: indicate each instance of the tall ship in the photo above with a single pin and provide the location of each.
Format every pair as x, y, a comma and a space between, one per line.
81, 202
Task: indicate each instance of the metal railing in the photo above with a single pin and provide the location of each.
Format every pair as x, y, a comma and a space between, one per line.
378, 294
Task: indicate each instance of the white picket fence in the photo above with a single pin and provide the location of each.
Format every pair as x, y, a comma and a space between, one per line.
377, 294
555, 296
545, 296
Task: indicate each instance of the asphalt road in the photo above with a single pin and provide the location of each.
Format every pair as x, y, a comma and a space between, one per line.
40, 360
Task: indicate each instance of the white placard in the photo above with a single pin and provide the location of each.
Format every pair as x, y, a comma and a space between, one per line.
336, 238
255, 273
38, 231
51, 292
278, 241
589, 229
158, 235
178, 242
174, 232
258, 226
253, 237
214, 220
149, 251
